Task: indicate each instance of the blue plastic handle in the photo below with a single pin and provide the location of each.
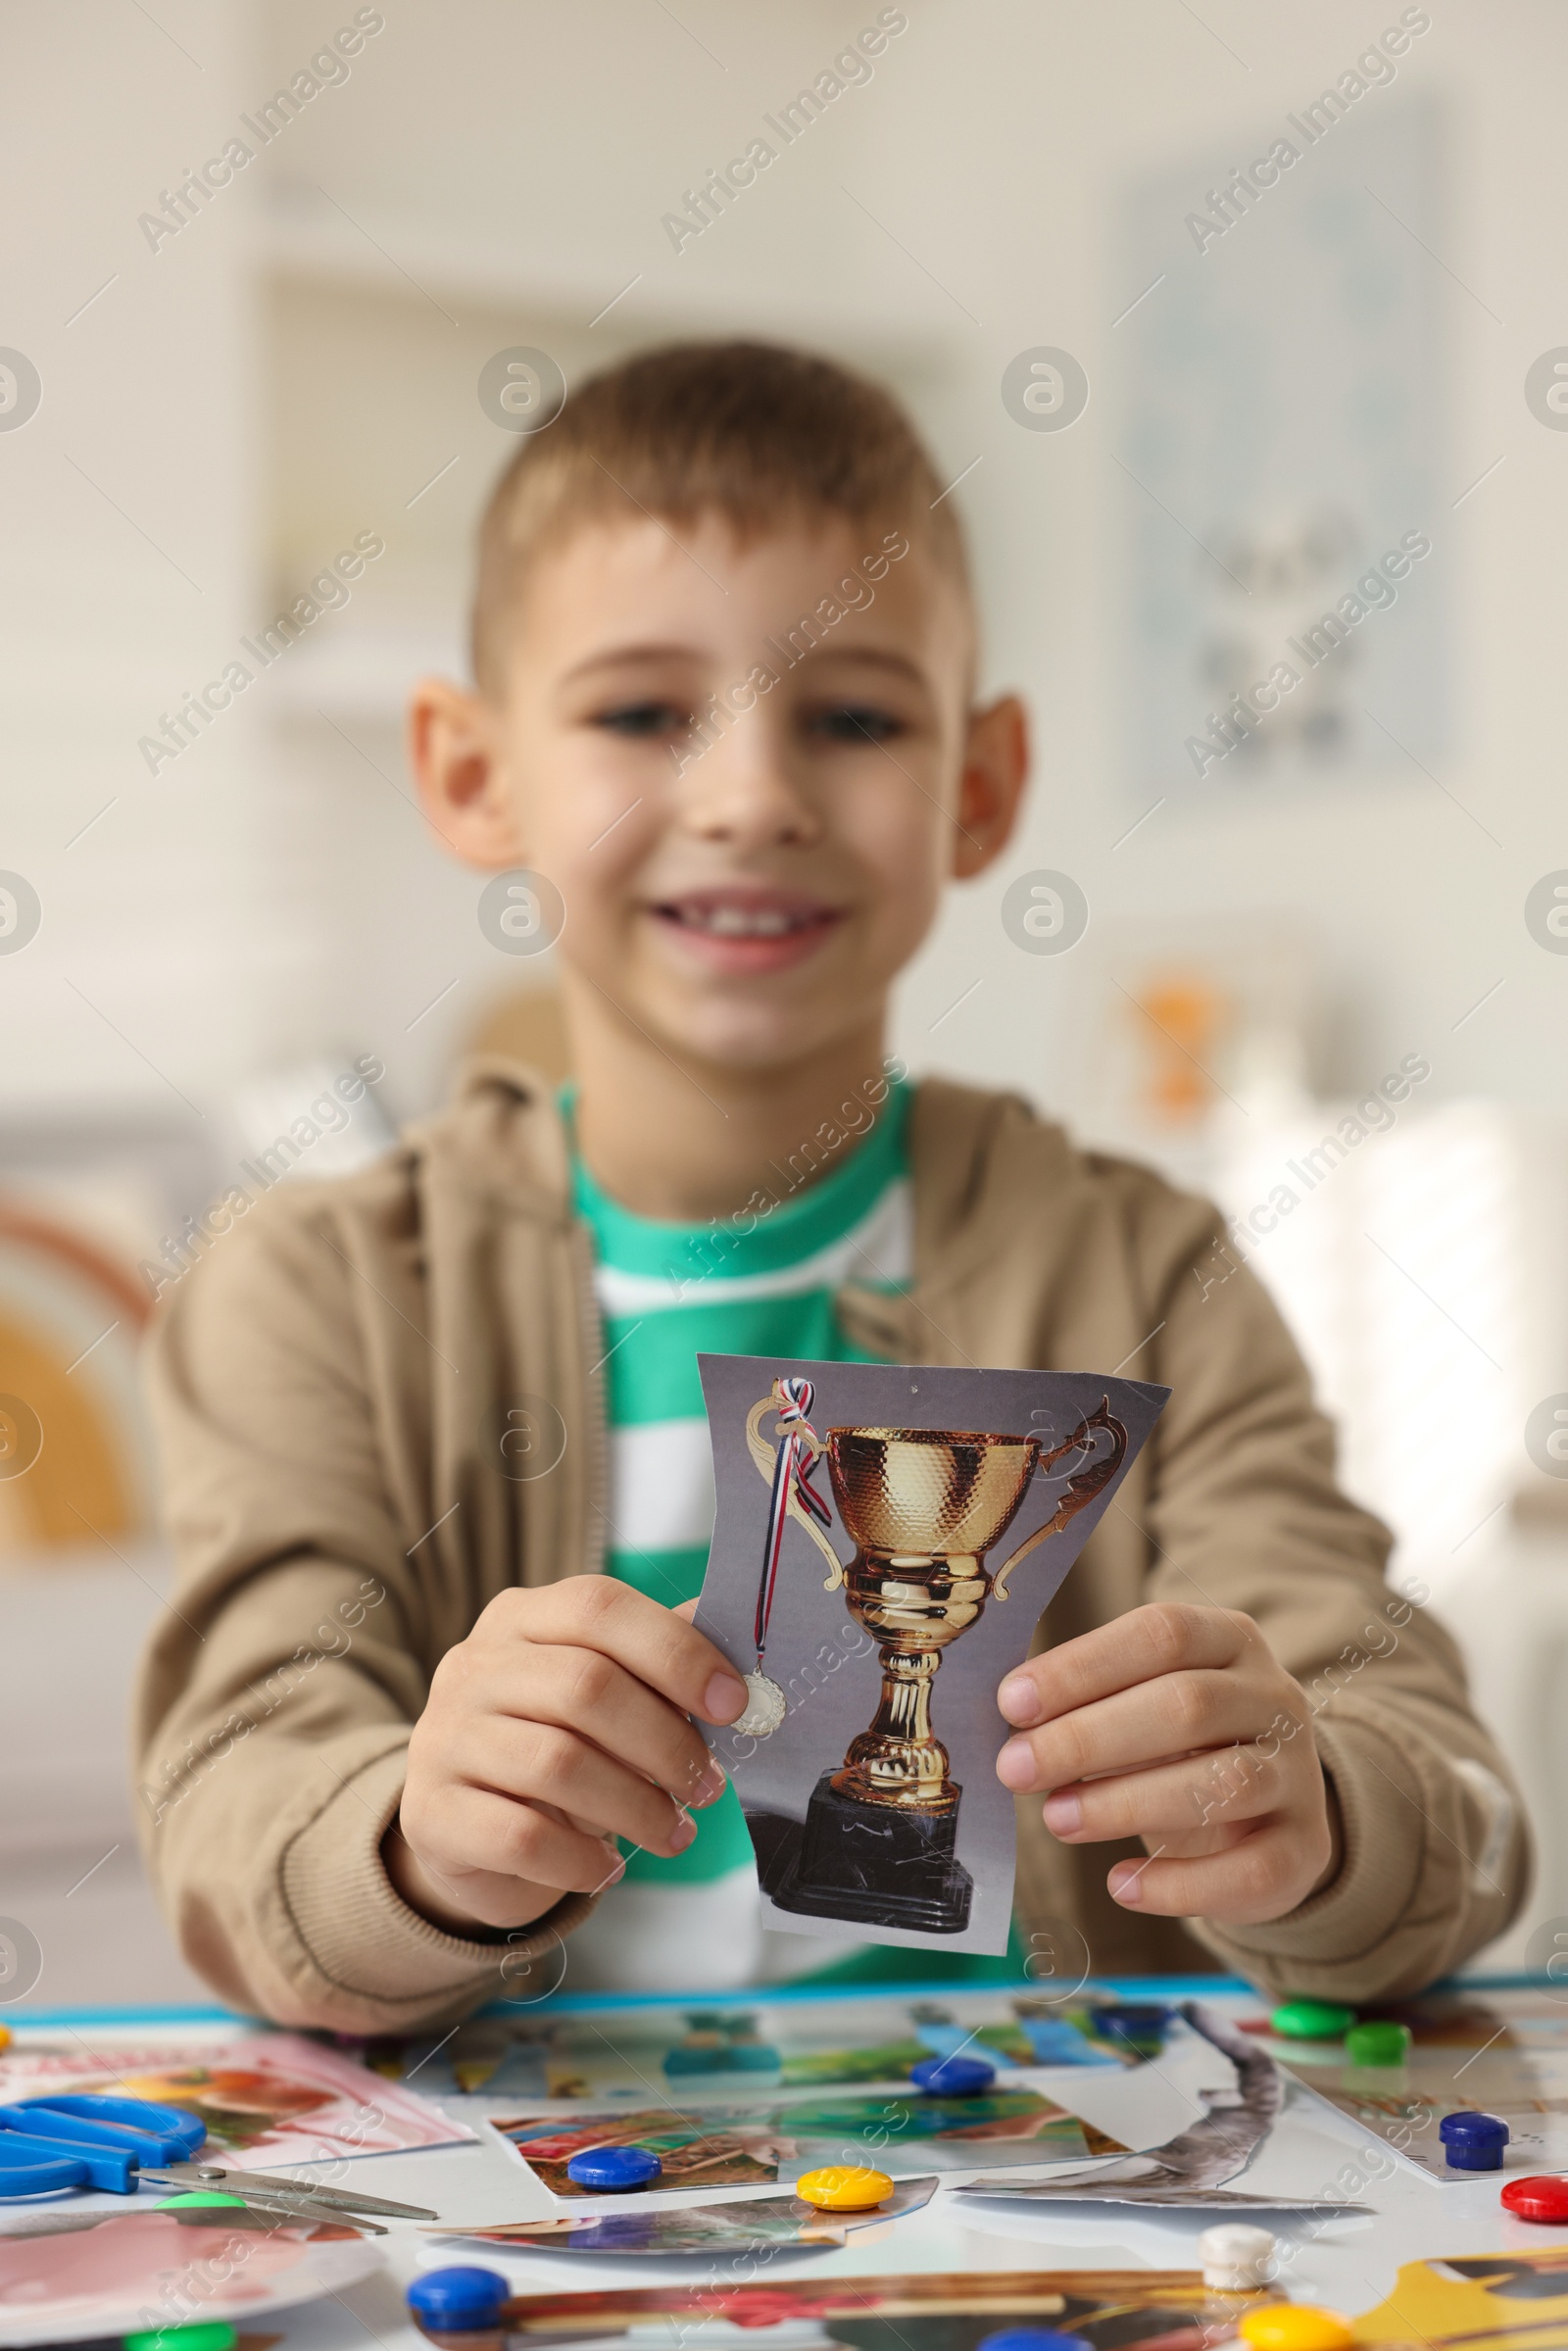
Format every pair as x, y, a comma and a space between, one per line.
44, 2121
179, 2134
111, 2155
33, 2167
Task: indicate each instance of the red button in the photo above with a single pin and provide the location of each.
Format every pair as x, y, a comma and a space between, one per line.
1544, 2197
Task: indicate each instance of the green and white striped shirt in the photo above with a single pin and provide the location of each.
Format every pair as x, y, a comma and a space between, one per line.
669, 1291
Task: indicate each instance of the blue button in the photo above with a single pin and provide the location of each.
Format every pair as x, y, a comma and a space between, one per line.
1473, 2142
1139, 2027
1034, 2339
459, 2301
1138, 2020
613, 2169
953, 2077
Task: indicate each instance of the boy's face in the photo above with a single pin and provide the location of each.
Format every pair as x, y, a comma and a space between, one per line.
745, 893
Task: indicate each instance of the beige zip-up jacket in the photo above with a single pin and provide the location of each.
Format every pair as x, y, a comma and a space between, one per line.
329, 1383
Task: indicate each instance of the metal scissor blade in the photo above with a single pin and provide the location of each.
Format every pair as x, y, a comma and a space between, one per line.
273, 2187
260, 2205
344, 2198
305, 2208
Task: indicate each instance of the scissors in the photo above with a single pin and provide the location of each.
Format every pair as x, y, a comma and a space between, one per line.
279, 2197
52, 2144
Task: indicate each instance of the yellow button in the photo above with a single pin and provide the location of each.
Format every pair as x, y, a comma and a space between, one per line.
1296, 2326
4, 2036
844, 2187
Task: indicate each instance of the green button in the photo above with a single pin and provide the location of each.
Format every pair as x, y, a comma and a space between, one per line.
209, 2334
185, 2200
1311, 2020
1379, 2043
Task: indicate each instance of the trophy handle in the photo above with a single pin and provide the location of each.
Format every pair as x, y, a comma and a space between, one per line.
1082, 1487
765, 1456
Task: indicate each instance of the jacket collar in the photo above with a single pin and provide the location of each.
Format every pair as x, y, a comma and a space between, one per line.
502, 1133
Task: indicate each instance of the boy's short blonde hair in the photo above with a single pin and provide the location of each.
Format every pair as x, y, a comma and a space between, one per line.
763, 435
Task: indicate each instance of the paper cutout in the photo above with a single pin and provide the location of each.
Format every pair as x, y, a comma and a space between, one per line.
1118, 2310
1028, 2126
715, 2149
70, 2275
1516, 2301
728, 2048
1514, 2065
730, 2147
755, 2225
874, 1804
1191, 2168
266, 2099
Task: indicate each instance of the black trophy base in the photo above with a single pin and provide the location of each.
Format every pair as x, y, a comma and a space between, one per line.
873, 1865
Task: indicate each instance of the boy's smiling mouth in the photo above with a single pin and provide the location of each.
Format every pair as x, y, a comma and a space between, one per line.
742, 930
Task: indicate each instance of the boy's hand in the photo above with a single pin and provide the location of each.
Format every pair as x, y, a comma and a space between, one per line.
1176, 1725
558, 1724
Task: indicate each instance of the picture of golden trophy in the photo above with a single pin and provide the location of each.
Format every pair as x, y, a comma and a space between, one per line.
922, 1508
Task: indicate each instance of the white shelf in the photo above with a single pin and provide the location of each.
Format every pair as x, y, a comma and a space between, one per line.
303, 238
364, 674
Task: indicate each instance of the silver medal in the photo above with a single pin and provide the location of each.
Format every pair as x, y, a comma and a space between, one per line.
765, 1707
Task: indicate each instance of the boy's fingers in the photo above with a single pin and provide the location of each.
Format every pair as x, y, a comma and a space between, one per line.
1158, 1722
1178, 1799
586, 1692
541, 1763
475, 1830
1253, 1881
651, 1641
1164, 1638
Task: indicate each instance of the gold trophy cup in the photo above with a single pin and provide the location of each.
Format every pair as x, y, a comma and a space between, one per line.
922, 1508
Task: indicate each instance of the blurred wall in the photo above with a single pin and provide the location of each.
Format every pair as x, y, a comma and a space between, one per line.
299, 363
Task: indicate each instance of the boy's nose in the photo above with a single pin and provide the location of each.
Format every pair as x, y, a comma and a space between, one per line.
742, 790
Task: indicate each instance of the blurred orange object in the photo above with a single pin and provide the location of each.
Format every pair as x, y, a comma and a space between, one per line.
71, 1316
1185, 1021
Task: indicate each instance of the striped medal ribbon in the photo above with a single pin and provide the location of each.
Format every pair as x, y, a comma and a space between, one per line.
794, 1468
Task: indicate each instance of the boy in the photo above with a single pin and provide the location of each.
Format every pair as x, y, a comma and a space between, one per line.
401, 1732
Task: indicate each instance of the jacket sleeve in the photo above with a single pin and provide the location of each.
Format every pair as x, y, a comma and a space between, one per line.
1245, 1514
278, 1691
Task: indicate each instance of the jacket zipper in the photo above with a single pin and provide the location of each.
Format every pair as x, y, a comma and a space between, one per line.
597, 1484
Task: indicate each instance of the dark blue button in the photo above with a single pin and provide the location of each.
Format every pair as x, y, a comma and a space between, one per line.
1473, 2142
459, 2300
1034, 2339
613, 2170
1140, 2025
953, 2077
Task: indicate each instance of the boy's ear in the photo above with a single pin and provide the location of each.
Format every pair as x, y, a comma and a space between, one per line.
454, 749
996, 768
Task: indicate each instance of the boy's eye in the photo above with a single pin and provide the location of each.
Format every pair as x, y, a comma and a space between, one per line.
643, 718
856, 722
